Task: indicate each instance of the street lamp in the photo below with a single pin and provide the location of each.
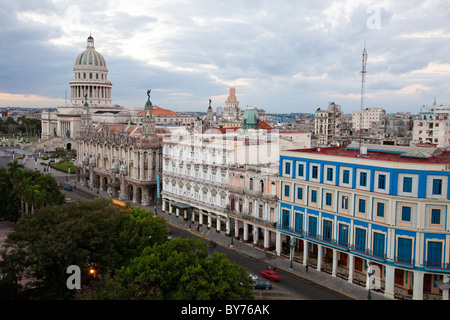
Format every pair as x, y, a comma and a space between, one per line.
371, 273
292, 244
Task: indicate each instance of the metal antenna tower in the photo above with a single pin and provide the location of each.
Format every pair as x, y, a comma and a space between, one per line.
363, 87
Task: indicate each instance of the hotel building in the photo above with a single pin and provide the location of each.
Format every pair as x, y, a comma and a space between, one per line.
382, 209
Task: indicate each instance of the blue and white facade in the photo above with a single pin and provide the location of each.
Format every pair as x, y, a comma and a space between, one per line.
383, 210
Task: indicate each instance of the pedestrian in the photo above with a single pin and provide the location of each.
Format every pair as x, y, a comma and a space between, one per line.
198, 227
306, 268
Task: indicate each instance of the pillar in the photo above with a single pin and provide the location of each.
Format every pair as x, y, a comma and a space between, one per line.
255, 234
278, 243
351, 267
389, 282
141, 166
445, 292
200, 217
193, 215
305, 252
266, 239
245, 232
335, 261
218, 223
150, 165
418, 285
135, 192
319, 257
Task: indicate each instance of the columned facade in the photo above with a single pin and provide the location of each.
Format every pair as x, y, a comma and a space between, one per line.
207, 172
385, 213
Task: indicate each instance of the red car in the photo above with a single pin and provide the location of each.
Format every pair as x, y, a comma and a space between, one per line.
270, 274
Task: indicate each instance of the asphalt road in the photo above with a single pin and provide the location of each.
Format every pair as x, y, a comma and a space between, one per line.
290, 287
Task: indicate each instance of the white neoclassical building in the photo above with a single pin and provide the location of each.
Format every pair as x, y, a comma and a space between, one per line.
224, 181
89, 87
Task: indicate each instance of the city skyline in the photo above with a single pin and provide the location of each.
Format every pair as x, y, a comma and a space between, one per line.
285, 58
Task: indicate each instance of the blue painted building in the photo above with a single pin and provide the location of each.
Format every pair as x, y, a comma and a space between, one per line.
385, 209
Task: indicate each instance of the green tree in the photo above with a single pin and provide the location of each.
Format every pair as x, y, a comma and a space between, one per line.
86, 233
179, 269
9, 201
15, 169
141, 230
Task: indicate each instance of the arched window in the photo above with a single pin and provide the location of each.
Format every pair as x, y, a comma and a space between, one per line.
251, 184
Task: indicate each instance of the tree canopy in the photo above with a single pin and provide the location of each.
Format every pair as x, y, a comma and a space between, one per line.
130, 251
23, 191
180, 269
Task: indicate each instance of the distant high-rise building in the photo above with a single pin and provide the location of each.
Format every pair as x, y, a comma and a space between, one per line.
368, 116
326, 124
231, 111
433, 126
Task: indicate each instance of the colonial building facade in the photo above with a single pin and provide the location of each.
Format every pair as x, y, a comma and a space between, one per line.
121, 159
386, 210
227, 182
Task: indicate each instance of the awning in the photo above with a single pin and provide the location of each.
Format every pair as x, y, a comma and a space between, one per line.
442, 285
181, 205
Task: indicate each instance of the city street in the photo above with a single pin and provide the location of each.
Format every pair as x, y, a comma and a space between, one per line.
290, 287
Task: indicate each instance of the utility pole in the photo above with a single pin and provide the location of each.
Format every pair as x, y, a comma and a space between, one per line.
363, 87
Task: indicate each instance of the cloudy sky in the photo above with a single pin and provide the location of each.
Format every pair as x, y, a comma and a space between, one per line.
283, 56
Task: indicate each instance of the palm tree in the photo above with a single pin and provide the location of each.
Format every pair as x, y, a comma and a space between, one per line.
19, 187
41, 199
14, 168
29, 196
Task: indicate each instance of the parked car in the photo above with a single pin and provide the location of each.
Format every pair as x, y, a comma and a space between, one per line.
59, 185
262, 284
68, 200
67, 187
270, 274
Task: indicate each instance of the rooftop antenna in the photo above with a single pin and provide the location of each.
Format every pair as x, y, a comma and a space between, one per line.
363, 85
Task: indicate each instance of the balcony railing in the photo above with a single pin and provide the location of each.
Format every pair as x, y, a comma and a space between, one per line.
437, 265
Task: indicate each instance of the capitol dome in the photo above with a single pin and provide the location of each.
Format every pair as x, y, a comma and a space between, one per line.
90, 58
90, 84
